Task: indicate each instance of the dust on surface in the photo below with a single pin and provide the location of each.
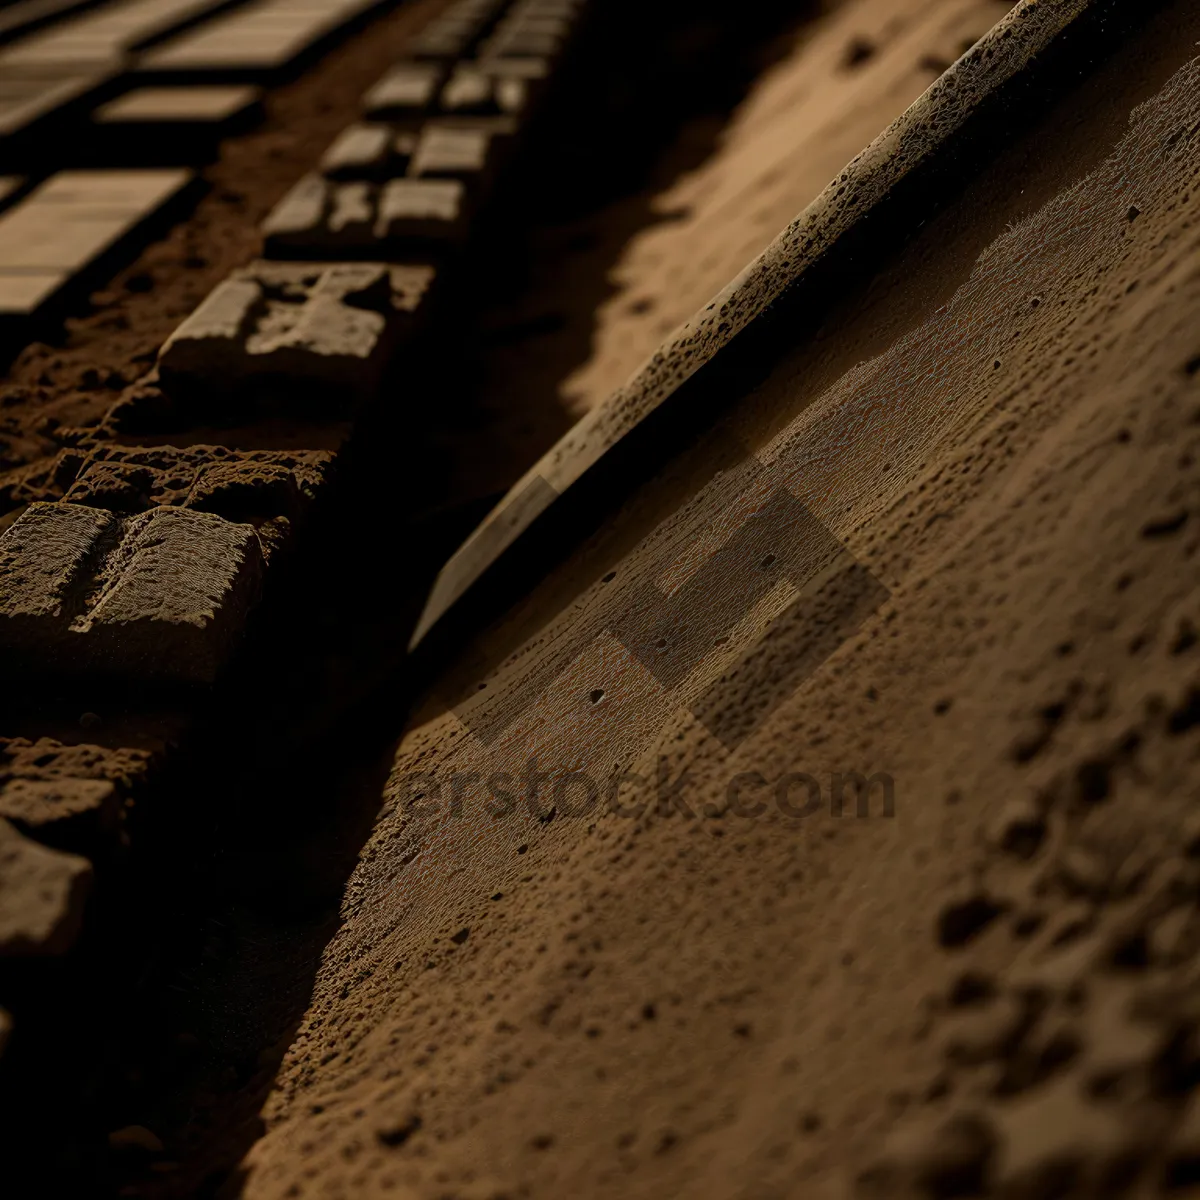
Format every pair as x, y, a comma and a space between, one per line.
989, 992
849, 74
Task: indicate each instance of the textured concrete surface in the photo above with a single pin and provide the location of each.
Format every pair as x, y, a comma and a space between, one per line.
813, 824
321, 219
330, 330
982, 993
162, 596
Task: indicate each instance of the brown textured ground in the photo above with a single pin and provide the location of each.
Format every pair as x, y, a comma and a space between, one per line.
995, 991
764, 1008
246, 860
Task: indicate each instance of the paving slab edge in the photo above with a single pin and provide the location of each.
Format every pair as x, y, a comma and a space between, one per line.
923, 131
